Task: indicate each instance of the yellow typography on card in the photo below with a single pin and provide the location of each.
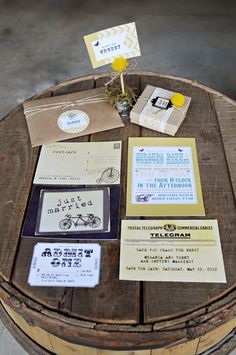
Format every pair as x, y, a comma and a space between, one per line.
163, 178
119, 41
171, 250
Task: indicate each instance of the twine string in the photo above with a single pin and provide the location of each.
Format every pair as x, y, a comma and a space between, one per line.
114, 75
175, 107
65, 104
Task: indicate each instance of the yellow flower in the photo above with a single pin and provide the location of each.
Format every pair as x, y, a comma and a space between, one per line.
119, 64
177, 99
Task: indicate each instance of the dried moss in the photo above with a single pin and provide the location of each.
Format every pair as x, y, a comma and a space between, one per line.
115, 94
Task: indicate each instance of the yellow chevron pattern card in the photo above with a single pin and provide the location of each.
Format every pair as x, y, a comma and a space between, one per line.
163, 178
119, 41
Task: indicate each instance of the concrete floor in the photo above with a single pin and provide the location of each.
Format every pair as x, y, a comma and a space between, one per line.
41, 44
8, 345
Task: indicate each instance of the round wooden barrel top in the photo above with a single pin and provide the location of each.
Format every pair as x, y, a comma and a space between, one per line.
124, 314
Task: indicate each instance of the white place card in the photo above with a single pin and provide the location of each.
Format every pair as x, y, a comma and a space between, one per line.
65, 265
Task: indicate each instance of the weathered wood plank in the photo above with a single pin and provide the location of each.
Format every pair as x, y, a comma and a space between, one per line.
71, 333
30, 346
74, 85
112, 301
42, 337
59, 298
207, 341
188, 348
48, 296
129, 130
17, 160
226, 113
174, 299
226, 345
167, 338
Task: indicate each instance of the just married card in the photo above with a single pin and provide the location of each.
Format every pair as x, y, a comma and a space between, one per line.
60, 212
68, 116
73, 211
106, 45
84, 163
163, 178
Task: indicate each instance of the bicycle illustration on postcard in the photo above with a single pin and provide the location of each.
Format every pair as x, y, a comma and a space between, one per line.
73, 211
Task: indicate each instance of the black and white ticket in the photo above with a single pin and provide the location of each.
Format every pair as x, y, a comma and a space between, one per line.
65, 265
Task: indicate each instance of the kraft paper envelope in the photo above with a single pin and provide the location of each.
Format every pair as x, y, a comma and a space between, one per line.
68, 116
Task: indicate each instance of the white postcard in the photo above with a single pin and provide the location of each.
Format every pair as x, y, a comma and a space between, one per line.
171, 250
93, 163
65, 265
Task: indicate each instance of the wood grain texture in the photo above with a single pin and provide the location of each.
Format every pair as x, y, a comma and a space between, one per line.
25, 341
112, 301
49, 296
17, 160
122, 314
129, 130
58, 298
52, 343
59, 346
171, 339
43, 338
168, 299
73, 85
226, 114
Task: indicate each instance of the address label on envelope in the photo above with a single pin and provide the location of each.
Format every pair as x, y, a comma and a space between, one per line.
106, 45
63, 264
62, 117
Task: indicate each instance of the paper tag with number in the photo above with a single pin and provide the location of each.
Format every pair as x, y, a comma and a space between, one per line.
119, 41
65, 265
